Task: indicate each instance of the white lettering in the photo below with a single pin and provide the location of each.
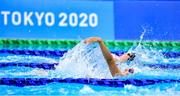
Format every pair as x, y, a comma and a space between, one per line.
93, 20
73, 19
63, 21
51, 21
27, 18
5, 14
83, 20
16, 18
39, 17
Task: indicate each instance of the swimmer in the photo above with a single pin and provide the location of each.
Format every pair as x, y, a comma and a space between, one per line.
112, 58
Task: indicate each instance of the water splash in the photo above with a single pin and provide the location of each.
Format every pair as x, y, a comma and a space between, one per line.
142, 35
83, 61
86, 90
86, 61
148, 54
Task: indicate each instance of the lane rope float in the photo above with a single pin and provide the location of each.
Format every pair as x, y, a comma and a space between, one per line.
74, 42
51, 66
21, 82
60, 53
46, 66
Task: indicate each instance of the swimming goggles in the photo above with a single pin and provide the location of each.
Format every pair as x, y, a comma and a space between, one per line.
131, 71
131, 56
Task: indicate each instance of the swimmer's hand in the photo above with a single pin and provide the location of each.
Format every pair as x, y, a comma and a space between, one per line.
131, 70
125, 72
92, 39
128, 71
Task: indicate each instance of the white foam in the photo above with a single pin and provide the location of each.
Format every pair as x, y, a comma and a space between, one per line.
84, 61
86, 90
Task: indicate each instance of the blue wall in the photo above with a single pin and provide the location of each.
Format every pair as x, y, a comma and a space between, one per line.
161, 19
117, 19
66, 19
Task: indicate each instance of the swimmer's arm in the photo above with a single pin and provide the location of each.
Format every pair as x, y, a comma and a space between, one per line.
107, 55
103, 47
115, 71
117, 58
125, 73
111, 61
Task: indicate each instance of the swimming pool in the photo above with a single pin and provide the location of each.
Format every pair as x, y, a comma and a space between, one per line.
37, 67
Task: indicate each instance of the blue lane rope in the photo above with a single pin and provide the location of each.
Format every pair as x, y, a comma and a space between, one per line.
51, 66
164, 66
46, 66
21, 82
60, 53
34, 52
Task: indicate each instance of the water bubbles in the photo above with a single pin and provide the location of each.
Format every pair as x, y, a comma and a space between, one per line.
63, 91
130, 87
86, 90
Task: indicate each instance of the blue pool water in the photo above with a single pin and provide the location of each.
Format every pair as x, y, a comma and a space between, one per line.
86, 61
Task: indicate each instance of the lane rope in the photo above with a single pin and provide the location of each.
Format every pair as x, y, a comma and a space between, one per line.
21, 82
46, 66
51, 66
60, 53
74, 42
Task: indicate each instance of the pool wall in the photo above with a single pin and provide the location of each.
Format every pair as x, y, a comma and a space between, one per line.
124, 20
159, 17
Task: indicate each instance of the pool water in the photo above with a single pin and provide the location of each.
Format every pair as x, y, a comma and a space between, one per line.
171, 89
87, 61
